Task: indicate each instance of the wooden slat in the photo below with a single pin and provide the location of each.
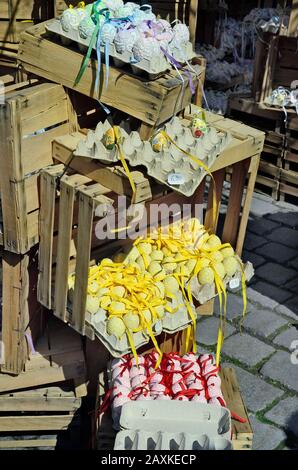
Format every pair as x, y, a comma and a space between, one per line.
231, 225
27, 443
67, 197
242, 432
46, 227
48, 404
35, 423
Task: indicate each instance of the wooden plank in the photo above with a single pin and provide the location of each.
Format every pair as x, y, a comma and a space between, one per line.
41, 376
86, 210
35, 423
48, 404
231, 225
242, 432
14, 319
46, 227
27, 443
253, 171
293, 23
68, 186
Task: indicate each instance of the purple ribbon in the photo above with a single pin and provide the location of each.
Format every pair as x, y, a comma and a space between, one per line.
179, 67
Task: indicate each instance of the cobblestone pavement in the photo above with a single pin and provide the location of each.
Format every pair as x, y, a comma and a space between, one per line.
264, 354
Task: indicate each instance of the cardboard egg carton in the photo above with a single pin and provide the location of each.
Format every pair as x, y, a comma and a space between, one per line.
207, 292
155, 66
171, 323
142, 440
170, 415
170, 167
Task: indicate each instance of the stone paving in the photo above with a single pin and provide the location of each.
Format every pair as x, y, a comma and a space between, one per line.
265, 354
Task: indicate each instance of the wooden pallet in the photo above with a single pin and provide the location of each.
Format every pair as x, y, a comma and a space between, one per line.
58, 357
38, 417
242, 433
25, 148
152, 102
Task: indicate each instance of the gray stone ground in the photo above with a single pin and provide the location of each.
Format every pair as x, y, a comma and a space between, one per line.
264, 354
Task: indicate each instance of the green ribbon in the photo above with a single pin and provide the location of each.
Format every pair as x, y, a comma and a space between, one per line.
96, 14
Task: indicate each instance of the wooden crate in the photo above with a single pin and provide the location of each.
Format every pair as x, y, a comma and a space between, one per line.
69, 243
38, 417
22, 316
57, 357
276, 65
17, 15
152, 102
31, 117
242, 433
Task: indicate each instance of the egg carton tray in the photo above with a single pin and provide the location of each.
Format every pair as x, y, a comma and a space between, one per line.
191, 417
142, 440
207, 292
171, 323
154, 67
170, 167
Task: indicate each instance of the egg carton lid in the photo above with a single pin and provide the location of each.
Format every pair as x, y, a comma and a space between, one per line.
142, 440
156, 66
170, 415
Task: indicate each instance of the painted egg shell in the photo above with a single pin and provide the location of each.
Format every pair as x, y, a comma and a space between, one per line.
86, 27
126, 10
70, 19
110, 4
115, 326
145, 48
124, 40
181, 33
108, 33
159, 143
109, 139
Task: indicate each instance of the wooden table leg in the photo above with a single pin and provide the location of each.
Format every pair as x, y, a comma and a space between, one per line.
231, 225
253, 171
219, 177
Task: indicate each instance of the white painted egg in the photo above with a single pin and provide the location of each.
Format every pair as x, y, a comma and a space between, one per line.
124, 40
108, 33
86, 27
145, 48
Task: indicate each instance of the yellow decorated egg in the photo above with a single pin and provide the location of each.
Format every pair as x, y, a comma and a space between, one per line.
231, 265
145, 248
171, 285
157, 255
154, 268
109, 139
159, 143
92, 304
115, 326
105, 301
160, 289
217, 256
160, 311
220, 269
214, 241
191, 264
117, 307
131, 321
227, 252
147, 315
119, 291
206, 276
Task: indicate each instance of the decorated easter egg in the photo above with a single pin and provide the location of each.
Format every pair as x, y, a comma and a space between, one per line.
206, 276
126, 10
119, 291
198, 126
110, 4
154, 268
124, 40
231, 265
160, 289
115, 326
105, 301
145, 48
109, 139
171, 285
93, 287
214, 241
220, 269
145, 248
117, 307
86, 27
92, 304
147, 314
181, 33
131, 321
216, 256
157, 255
159, 143
108, 33
160, 310
227, 252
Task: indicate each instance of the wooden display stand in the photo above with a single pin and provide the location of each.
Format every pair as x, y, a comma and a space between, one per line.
88, 185
242, 433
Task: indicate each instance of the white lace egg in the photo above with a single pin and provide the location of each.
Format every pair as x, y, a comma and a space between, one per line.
145, 48
86, 27
124, 40
71, 18
108, 33
181, 34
